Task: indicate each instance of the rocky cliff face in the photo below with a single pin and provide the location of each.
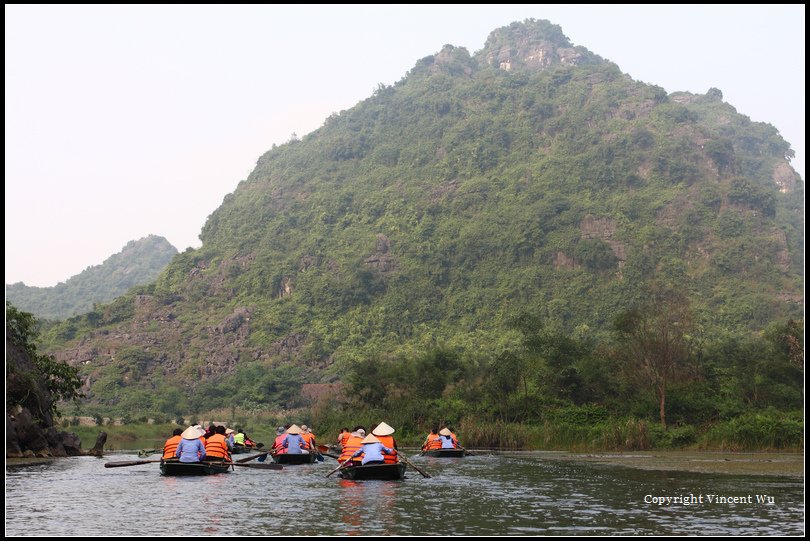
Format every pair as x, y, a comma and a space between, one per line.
533, 44
30, 430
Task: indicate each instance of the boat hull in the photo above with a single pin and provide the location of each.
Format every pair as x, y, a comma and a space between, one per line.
382, 472
191, 468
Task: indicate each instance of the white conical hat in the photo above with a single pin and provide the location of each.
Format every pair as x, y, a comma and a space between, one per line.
371, 438
294, 429
383, 429
445, 432
192, 433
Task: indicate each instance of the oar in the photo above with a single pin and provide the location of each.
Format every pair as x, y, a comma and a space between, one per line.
248, 459
411, 464
340, 466
272, 466
324, 450
318, 455
129, 463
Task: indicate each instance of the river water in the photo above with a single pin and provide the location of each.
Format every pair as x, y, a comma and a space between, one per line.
499, 494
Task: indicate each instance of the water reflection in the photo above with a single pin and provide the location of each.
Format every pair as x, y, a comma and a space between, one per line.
368, 506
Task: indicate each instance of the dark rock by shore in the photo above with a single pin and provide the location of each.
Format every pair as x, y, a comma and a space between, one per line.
30, 430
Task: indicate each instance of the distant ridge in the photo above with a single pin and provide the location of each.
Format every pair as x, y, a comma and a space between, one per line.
138, 263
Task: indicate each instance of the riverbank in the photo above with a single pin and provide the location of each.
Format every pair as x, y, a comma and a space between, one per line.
778, 464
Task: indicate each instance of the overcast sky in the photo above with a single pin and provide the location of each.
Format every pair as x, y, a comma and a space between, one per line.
125, 121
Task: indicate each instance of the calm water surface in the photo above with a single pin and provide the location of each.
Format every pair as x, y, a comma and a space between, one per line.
525, 494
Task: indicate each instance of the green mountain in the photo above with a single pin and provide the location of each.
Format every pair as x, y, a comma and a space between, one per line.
138, 263
532, 177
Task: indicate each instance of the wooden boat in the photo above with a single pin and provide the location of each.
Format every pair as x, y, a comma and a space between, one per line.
383, 472
191, 468
445, 453
242, 449
292, 460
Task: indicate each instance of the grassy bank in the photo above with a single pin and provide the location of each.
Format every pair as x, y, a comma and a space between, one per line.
765, 431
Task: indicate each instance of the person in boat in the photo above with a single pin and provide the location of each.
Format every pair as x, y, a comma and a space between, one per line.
447, 439
229, 436
190, 448
455, 438
294, 443
343, 437
308, 436
171, 444
201, 430
353, 443
216, 447
373, 451
384, 432
249, 442
433, 440
278, 444
239, 437
212, 429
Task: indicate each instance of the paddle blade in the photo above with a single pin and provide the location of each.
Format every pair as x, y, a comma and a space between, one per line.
248, 459
130, 463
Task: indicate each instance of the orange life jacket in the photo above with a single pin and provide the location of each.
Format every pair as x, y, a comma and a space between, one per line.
350, 447
343, 437
171, 446
216, 447
278, 445
389, 442
309, 438
433, 442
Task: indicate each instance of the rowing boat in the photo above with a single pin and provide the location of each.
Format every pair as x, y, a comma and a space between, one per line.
239, 449
384, 472
191, 468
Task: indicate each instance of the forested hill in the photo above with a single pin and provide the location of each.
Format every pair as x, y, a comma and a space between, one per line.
530, 178
138, 263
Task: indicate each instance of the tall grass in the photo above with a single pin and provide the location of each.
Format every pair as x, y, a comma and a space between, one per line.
757, 431
767, 430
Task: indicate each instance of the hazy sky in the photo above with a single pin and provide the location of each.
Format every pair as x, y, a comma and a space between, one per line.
125, 121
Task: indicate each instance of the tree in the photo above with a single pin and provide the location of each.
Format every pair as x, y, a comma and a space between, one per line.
656, 341
61, 380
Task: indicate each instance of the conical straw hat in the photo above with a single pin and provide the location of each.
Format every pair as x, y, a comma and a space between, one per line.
383, 429
371, 438
294, 429
192, 433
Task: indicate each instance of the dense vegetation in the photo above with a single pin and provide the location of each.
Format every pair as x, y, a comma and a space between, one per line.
482, 245
138, 263
34, 380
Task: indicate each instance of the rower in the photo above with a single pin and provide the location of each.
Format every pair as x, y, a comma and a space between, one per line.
190, 448
171, 444
373, 451
383, 432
